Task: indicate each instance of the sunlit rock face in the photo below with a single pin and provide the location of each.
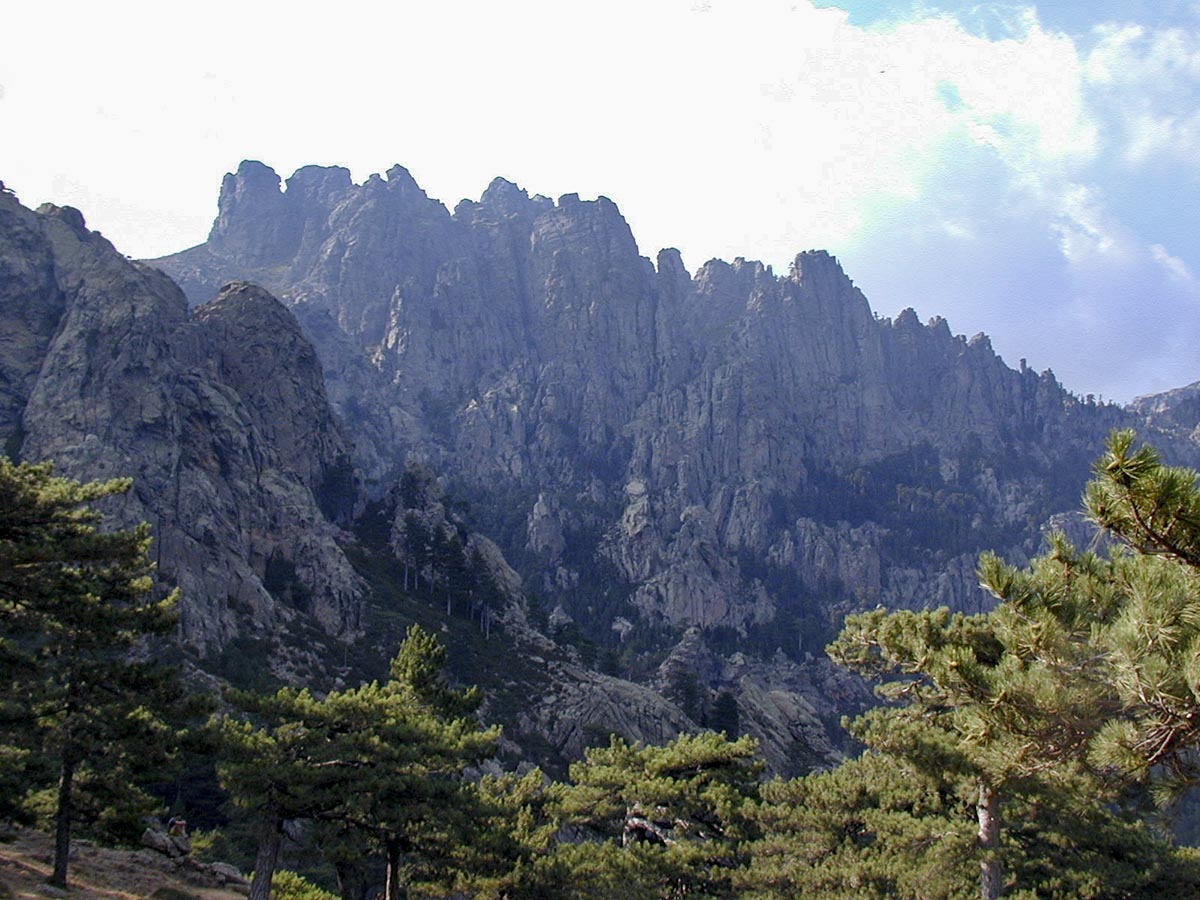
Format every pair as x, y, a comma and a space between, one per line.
1177, 409
218, 415
732, 443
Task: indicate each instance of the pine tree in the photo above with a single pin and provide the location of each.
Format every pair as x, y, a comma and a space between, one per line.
77, 605
420, 665
516, 830
670, 819
1153, 645
879, 828
296, 756
379, 761
724, 715
415, 805
1087, 672
874, 828
1002, 701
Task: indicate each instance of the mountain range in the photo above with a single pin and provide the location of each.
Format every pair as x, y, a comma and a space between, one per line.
634, 498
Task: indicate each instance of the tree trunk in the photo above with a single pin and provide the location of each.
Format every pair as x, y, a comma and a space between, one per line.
991, 877
269, 839
351, 879
394, 889
63, 814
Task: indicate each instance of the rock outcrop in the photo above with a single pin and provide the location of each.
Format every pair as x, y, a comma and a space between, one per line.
554, 701
218, 415
709, 468
1179, 409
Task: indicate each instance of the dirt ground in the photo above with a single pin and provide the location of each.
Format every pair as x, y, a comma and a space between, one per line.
98, 873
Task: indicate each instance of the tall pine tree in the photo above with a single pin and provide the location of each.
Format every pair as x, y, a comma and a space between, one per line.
1153, 645
416, 807
77, 605
1003, 701
1086, 673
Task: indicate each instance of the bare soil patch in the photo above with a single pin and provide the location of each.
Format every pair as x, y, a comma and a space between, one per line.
100, 873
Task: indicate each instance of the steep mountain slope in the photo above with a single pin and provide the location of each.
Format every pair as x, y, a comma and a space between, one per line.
218, 415
733, 447
1179, 409
633, 498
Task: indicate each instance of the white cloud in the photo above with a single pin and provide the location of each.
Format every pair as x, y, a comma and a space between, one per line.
1145, 83
773, 112
1082, 226
1175, 266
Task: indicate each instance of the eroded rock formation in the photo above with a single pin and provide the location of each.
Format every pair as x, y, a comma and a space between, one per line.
218, 415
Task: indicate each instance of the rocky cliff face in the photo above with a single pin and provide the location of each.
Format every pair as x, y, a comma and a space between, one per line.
685, 479
219, 416
1177, 409
709, 468
735, 443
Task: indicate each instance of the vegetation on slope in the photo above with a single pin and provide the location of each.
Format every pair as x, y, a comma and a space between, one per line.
1012, 756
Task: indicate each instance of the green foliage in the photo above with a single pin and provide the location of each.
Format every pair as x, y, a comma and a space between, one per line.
287, 885
513, 832
1084, 675
1154, 640
1019, 689
1001, 706
873, 828
1062, 843
377, 764
106, 804
662, 821
211, 845
245, 663
18, 769
1037, 715
420, 665
685, 690
82, 695
696, 777
1153, 508
878, 827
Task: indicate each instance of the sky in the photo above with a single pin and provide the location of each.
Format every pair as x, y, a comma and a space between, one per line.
1025, 170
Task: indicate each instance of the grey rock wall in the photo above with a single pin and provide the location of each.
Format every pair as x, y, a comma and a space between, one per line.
696, 419
218, 415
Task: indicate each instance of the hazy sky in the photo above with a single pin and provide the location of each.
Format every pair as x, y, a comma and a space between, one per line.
1032, 172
